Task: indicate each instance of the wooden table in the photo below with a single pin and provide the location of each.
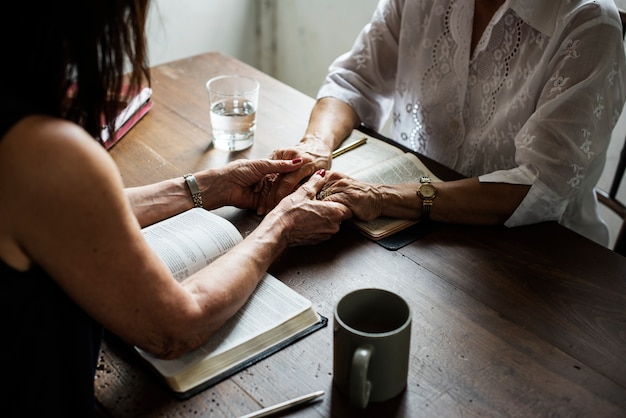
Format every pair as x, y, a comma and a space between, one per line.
520, 322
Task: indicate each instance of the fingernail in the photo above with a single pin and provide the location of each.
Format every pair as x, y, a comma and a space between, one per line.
296, 161
321, 172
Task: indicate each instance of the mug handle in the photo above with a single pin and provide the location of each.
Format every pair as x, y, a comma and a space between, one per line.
360, 387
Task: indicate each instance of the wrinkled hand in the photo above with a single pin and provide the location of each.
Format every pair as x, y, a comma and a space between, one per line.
238, 181
365, 200
306, 220
315, 156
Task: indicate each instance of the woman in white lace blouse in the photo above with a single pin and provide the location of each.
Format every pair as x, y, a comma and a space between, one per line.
520, 96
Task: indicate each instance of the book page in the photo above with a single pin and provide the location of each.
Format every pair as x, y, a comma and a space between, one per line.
370, 154
383, 226
379, 162
272, 304
191, 240
401, 169
273, 314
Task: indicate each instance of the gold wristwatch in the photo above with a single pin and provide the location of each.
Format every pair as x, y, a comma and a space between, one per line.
427, 192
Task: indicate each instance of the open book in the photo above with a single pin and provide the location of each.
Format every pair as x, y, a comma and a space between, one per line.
382, 163
272, 318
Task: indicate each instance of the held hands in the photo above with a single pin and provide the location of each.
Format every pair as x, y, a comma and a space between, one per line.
365, 200
304, 219
315, 155
239, 183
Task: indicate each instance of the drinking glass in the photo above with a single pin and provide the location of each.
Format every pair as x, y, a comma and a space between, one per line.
233, 101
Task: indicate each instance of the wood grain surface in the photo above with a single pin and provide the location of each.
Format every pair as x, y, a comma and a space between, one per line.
519, 322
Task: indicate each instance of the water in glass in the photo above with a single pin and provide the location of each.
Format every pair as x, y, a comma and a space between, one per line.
233, 122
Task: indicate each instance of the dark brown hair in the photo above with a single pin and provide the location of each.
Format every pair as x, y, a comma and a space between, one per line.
70, 58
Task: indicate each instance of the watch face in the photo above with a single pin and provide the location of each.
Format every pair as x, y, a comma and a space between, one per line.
427, 191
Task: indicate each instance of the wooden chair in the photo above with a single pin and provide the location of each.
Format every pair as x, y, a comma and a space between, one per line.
610, 199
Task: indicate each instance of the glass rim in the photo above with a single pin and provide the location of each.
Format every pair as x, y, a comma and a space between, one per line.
253, 88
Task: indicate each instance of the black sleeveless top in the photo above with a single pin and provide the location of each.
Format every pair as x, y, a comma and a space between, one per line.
50, 346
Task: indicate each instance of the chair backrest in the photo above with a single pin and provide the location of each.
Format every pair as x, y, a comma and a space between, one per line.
620, 210
610, 199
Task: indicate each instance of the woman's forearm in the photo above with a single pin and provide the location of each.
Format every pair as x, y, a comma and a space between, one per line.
466, 201
157, 201
331, 121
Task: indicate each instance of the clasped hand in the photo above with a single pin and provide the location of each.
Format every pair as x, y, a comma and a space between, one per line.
330, 122
364, 200
306, 219
274, 187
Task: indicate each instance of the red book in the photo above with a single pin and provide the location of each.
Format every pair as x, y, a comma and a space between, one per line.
136, 109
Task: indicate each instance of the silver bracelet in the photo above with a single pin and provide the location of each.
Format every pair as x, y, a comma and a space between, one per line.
190, 179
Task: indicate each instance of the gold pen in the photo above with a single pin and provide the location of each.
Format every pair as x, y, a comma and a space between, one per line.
349, 147
271, 410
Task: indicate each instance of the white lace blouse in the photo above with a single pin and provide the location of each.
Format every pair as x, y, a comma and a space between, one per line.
534, 104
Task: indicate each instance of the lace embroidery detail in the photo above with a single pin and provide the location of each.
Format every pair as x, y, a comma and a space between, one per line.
599, 106
579, 174
438, 82
586, 145
490, 73
441, 52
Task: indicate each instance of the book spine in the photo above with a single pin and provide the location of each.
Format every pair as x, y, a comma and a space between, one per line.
124, 128
136, 108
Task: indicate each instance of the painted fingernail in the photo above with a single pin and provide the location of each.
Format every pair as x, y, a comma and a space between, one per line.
296, 161
321, 172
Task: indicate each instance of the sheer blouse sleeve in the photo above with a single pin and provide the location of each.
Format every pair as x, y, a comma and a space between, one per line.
365, 76
561, 148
